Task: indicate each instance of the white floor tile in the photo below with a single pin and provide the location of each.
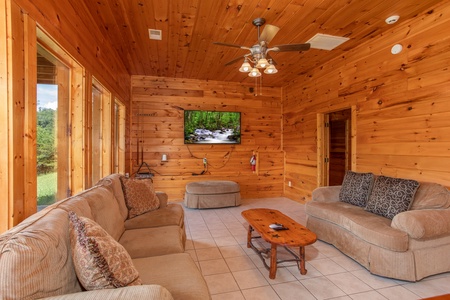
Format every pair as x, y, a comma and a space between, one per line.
327, 266
248, 279
370, 295
292, 290
217, 241
215, 266
375, 282
349, 283
260, 293
398, 293
208, 254
322, 288
228, 296
221, 283
240, 263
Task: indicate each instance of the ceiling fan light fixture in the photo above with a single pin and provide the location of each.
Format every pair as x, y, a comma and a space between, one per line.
270, 69
262, 63
254, 73
246, 67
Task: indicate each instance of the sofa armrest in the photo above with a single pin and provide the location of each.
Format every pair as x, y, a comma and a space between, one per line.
150, 292
423, 224
163, 198
326, 193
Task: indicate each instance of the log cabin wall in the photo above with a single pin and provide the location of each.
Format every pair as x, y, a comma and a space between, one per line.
70, 24
158, 106
71, 27
402, 106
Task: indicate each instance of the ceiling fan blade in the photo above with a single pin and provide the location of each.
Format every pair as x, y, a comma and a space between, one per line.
231, 45
290, 47
268, 33
235, 60
270, 58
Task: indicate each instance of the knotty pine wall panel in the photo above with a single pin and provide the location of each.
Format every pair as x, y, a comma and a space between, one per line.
402, 102
157, 128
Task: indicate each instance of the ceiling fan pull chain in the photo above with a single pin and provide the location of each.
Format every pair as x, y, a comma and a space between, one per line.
260, 86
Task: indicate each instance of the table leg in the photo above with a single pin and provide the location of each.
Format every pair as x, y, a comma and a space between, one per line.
249, 236
273, 262
302, 261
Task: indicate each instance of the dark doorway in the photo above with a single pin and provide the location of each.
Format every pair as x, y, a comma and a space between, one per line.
338, 148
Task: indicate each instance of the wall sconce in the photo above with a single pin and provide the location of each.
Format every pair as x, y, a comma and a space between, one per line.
164, 158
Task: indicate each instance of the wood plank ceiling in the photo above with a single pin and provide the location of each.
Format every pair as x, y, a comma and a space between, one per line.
189, 28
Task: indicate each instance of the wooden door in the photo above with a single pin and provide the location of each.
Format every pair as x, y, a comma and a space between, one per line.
335, 147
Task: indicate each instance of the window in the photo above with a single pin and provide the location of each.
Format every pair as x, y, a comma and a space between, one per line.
53, 128
101, 134
60, 122
119, 137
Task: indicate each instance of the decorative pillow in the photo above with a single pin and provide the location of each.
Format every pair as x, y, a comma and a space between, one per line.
356, 188
100, 261
391, 196
140, 196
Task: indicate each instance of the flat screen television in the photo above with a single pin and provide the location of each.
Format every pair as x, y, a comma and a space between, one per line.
212, 127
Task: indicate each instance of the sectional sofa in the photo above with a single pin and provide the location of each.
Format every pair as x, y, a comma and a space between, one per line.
47, 255
394, 227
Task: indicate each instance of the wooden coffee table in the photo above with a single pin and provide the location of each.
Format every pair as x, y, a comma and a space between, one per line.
293, 235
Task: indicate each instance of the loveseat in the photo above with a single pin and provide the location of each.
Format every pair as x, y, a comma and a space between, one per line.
39, 258
407, 241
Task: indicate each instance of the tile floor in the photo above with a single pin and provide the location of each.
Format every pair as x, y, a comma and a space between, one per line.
217, 242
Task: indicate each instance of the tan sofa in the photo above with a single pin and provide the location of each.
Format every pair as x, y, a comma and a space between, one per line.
36, 261
411, 246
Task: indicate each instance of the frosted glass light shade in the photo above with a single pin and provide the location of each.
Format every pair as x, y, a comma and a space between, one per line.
245, 68
254, 73
262, 63
271, 70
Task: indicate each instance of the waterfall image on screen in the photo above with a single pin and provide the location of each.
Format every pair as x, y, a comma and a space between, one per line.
212, 127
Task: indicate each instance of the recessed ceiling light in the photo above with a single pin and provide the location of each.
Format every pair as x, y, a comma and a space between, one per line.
392, 19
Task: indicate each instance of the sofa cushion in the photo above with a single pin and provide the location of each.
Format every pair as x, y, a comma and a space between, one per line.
356, 188
172, 214
140, 196
431, 196
154, 241
391, 196
35, 257
113, 181
367, 226
186, 284
100, 261
105, 210
137, 292
423, 224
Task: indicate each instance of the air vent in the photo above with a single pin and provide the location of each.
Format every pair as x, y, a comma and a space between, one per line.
155, 34
326, 42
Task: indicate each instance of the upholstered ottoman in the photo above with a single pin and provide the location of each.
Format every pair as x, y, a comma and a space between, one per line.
212, 194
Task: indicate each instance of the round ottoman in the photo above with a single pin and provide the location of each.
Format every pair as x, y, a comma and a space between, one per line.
212, 194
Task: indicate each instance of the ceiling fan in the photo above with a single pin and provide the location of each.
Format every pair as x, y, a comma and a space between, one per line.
259, 53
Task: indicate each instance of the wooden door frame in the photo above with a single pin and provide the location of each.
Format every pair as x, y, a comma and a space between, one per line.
323, 145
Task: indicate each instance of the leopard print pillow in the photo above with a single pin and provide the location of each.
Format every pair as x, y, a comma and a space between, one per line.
140, 196
100, 261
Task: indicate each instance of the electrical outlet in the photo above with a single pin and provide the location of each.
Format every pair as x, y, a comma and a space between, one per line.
290, 184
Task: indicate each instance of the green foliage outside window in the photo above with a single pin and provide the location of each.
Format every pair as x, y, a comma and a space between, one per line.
46, 150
